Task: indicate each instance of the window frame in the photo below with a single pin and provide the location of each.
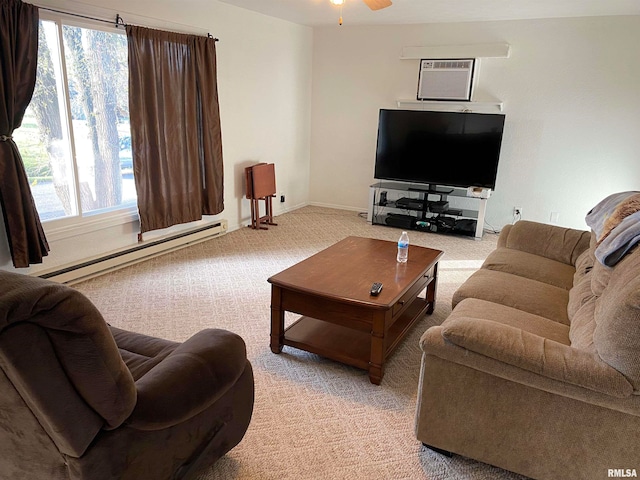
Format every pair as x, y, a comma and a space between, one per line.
81, 223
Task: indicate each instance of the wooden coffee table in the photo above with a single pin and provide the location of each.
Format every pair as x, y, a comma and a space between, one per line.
341, 320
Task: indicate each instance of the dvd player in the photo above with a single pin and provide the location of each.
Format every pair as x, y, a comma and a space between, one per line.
399, 220
406, 202
438, 207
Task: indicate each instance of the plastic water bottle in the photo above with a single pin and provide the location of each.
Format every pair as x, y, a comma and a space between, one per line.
403, 248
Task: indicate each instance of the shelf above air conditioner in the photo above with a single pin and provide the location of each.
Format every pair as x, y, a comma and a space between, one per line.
481, 106
483, 50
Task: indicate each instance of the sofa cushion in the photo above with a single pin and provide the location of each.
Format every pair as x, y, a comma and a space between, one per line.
600, 278
583, 325
580, 294
518, 292
584, 265
528, 351
543, 327
141, 352
531, 266
617, 317
550, 241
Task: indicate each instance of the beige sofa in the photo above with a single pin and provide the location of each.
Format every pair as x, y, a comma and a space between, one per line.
537, 369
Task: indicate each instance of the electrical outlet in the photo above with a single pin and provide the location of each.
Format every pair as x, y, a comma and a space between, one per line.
517, 211
282, 198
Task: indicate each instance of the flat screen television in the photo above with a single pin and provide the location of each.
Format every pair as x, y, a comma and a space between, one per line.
458, 149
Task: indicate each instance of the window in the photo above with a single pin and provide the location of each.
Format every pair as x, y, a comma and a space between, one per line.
75, 139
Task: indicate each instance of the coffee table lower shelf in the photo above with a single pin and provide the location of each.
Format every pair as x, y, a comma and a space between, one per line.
347, 345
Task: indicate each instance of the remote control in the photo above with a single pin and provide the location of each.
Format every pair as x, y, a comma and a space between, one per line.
376, 288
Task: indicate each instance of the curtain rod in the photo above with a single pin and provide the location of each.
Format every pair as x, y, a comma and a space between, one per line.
119, 22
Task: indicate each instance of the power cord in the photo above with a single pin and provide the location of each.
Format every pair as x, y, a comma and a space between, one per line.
491, 229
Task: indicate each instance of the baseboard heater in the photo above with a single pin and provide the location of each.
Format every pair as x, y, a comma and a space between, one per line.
129, 256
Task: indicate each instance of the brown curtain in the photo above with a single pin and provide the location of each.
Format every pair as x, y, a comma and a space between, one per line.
175, 127
18, 64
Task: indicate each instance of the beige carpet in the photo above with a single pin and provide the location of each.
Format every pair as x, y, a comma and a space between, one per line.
313, 418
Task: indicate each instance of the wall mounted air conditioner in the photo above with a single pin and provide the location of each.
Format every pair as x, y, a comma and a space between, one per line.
446, 79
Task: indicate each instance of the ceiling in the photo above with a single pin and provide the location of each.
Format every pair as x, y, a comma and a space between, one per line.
355, 12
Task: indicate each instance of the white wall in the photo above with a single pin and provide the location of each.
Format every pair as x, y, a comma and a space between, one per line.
570, 90
264, 81
572, 101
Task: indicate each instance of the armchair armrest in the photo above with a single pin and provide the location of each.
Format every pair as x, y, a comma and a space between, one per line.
527, 351
550, 241
196, 374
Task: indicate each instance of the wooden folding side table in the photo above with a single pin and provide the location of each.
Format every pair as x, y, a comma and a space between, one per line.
261, 185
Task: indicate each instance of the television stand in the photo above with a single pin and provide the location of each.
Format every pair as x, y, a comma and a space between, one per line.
428, 208
433, 189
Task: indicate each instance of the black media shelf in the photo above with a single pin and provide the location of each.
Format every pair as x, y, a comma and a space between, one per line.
427, 208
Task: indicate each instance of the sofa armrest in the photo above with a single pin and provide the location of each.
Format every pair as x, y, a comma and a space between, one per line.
527, 351
504, 235
550, 241
190, 379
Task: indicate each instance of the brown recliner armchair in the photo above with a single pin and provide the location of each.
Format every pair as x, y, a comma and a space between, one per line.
82, 400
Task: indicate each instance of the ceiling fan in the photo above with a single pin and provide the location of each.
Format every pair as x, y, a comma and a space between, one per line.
372, 4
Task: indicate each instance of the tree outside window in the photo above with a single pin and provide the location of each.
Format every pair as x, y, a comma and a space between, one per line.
80, 112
